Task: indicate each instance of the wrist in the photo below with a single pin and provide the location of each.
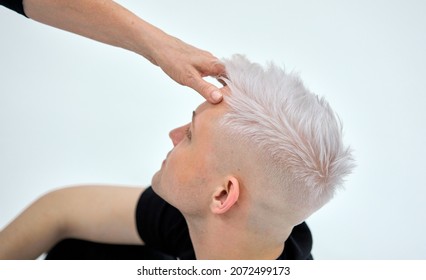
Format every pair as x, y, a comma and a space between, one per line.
149, 42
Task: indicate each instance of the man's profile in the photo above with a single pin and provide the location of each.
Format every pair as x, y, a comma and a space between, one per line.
243, 173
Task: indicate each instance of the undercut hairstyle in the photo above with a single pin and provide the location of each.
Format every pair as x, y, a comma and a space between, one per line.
294, 133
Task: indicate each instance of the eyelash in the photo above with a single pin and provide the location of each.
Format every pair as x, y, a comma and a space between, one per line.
188, 133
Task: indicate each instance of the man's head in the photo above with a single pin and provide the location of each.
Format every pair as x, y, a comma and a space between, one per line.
191, 167
271, 149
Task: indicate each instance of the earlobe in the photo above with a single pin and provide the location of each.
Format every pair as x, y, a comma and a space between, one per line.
225, 196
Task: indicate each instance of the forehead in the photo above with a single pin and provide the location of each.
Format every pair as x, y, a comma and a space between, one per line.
206, 109
210, 113
206, 121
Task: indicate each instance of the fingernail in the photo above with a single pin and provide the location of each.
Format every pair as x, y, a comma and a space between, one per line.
216, 95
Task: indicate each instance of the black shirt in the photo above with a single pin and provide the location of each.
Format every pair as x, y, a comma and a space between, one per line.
15, 5
162, 227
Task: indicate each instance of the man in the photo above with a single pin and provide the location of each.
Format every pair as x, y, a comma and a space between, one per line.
243, 173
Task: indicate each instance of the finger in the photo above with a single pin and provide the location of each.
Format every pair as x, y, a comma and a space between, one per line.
221, 79
209, 66
217, 69
210, 92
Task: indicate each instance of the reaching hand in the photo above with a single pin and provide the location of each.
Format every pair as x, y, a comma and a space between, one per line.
109, 22
188, 65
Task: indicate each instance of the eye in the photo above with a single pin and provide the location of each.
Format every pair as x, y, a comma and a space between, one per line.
188, 133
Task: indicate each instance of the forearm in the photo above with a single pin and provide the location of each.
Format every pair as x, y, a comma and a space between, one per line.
110, 23
101, 20
96, 213
33, 232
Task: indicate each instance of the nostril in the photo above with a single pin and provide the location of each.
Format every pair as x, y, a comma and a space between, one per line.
177, 134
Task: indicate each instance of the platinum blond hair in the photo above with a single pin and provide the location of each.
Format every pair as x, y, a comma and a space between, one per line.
295, 134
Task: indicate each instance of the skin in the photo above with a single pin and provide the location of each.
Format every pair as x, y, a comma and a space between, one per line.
201, 179
217, 218
192, 163
197, 177
110, 23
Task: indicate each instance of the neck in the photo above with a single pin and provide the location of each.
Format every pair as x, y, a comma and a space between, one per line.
218, 238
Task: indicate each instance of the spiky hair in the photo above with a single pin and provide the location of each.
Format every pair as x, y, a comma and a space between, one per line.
295, 131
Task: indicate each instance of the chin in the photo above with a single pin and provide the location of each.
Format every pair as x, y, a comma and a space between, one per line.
156, 183
155, 179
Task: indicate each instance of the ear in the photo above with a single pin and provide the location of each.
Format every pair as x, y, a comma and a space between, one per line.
225, 196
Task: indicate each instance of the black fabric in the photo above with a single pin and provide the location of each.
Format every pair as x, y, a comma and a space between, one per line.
15, 5
163, 228
165, 232
75, 249
298, 245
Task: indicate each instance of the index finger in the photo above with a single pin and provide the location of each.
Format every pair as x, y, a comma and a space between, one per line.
209, 91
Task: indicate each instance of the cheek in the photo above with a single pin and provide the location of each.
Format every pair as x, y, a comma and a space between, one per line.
187, 177
176, 170
186, 169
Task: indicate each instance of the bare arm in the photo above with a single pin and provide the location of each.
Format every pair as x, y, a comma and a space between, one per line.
96, 213
108, 22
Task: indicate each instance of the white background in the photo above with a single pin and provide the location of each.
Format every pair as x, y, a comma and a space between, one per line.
77, 111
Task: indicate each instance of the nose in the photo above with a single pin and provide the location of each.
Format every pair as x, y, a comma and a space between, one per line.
177, 134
